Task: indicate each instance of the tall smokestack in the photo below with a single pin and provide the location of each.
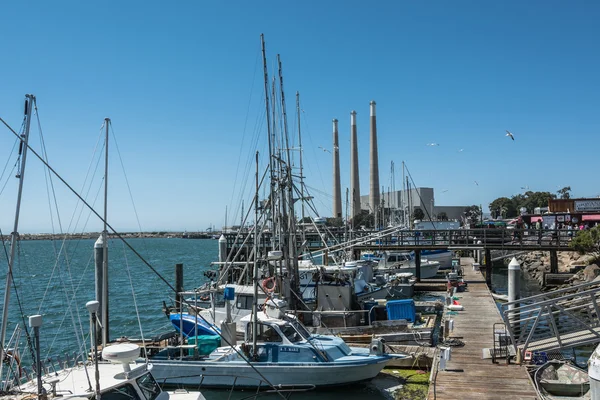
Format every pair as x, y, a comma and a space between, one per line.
354, 181
374, 198
337, 189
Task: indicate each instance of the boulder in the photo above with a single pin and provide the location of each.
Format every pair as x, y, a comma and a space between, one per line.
591, 272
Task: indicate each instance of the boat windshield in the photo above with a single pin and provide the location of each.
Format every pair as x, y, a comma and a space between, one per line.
148, 386
123, 392
301, 329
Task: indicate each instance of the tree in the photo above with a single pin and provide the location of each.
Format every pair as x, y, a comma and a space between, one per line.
473, 214
336, 222
418, 214
565, 192
364, 219
442, 216
587, 241
503, 207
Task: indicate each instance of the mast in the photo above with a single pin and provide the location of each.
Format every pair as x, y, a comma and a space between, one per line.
268, 108
104, 315
301, 170
29, 100
255, 269
291, 226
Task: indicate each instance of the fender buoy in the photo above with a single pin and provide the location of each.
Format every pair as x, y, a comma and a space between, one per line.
455, 307
269, 285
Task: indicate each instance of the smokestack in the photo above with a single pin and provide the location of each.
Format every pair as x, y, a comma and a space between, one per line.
374, 199
337, 189
354, 181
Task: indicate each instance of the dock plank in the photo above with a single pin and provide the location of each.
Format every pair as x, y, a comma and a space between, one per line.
467, 374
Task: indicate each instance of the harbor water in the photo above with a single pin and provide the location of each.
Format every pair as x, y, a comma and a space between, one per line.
55, 279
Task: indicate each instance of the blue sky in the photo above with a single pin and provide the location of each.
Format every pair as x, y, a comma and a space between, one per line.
182, 83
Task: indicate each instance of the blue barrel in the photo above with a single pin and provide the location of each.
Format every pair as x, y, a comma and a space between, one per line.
229, 293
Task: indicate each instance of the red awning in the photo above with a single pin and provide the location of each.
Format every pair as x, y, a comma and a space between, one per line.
594, 217
536, 219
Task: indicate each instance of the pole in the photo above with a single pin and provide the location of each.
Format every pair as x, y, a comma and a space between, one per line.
92, 307
488, 267
255, 269
418, 265
29, 100
99, 263
104, 313
514, 275
35, 321
178, 287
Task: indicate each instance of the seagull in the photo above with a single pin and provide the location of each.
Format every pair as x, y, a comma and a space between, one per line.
444, 191
432, 144
324, 149
510, 135
476, 183
525, 187
460, 150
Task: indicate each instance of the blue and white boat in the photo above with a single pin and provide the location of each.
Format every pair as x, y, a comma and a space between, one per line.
192, 325
286, 355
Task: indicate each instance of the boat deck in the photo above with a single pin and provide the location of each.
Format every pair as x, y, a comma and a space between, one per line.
467, 374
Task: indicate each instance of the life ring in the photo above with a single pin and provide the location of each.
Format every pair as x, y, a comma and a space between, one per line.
269, 285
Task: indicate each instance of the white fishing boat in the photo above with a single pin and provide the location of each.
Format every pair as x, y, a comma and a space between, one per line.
286, 355
402, 262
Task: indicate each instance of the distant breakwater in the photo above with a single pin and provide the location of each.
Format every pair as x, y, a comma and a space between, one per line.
125, 235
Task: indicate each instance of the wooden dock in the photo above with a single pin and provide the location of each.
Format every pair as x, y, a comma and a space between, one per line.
467, 374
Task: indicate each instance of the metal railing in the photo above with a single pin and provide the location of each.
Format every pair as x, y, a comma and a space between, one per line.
555, 320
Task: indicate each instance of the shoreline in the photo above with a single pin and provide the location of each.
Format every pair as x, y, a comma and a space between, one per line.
126, 235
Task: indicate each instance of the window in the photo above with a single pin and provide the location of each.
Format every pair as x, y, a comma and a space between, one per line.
148, 386
125, 392
266, 333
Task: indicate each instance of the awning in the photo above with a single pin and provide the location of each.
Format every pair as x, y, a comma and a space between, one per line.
536, 219
594, 217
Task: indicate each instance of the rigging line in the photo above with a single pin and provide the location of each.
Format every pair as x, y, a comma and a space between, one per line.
99, 143
82, 350
256, 62
249, 161
243, 190
137, 312
8, 180
49, 180
419, 194
35, 153
137, 218
12, 152
19, 304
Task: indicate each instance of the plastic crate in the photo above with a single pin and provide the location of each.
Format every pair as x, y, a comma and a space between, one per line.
401, 309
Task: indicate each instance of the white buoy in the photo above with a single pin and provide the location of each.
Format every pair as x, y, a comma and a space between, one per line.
594, 374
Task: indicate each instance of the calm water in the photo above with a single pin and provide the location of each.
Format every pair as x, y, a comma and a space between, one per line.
58, 290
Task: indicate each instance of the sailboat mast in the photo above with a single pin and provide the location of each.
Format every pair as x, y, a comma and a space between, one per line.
29, 100
105, 335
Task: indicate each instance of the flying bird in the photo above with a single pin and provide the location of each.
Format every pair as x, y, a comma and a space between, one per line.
324, 149
525, 187
510, 135
432, 144
460, 150
476, 183
444, 191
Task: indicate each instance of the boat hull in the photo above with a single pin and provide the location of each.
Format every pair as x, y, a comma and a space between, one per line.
213, 374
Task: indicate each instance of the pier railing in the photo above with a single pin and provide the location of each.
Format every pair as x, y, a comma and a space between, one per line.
560, 319
334, 239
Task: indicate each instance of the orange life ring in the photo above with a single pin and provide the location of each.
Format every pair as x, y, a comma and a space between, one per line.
269, 285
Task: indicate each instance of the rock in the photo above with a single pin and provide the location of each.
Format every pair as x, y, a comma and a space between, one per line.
591, 272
